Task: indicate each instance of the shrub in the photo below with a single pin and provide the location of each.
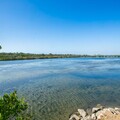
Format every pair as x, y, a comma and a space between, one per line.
11, 107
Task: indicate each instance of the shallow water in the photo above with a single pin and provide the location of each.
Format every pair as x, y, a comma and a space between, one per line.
57, 87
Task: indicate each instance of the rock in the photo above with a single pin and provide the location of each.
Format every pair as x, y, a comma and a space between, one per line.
111, 110
114, 111
89, 111
94, 110
82, 119
117, 112
107, 113
74, 117
97, 113
88, 118
106, 110
99, 106
117, 109
82, 112
100, 116
93, 116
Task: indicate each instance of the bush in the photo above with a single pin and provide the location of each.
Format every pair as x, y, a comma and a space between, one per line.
11, 107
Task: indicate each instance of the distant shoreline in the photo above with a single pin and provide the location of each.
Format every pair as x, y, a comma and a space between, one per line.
29, 56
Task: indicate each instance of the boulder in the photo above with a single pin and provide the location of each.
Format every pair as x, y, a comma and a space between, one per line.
111, 110
99, 113
74, 117
93, 117
100, 106
82, 112
117, 109
89, 111
94, 110
88, 118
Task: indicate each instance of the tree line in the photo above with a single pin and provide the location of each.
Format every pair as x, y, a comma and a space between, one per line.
24, 56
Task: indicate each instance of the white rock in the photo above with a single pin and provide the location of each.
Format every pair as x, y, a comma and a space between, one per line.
93, 116
88, 117
100, 116
82, 119
99, 106
82, 112
104, 110
114, 111
89, 111
74, 117
99, 113
94, 110
117, 109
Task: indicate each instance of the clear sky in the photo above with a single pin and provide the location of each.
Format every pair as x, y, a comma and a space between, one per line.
60, 26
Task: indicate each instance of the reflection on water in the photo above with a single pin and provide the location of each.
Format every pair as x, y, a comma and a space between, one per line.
57, 87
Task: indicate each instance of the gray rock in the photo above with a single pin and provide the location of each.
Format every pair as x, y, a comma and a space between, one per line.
82, 112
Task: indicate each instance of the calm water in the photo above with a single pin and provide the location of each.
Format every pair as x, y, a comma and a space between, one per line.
57, 87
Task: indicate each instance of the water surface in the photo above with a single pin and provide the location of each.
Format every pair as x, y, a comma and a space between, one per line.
57, 87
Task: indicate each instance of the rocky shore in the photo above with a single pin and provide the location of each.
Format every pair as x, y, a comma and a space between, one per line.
97, 113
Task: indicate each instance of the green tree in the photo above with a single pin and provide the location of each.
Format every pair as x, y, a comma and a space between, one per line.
0, 47
11, 107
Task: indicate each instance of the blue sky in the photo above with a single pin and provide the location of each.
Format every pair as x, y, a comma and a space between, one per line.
60, 26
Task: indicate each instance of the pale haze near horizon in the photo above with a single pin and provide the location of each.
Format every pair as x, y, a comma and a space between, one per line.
75, 27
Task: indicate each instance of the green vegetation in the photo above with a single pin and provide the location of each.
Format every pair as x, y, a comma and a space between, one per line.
13, 108
25, 56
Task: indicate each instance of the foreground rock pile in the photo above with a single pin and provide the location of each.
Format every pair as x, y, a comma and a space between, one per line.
97, 113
